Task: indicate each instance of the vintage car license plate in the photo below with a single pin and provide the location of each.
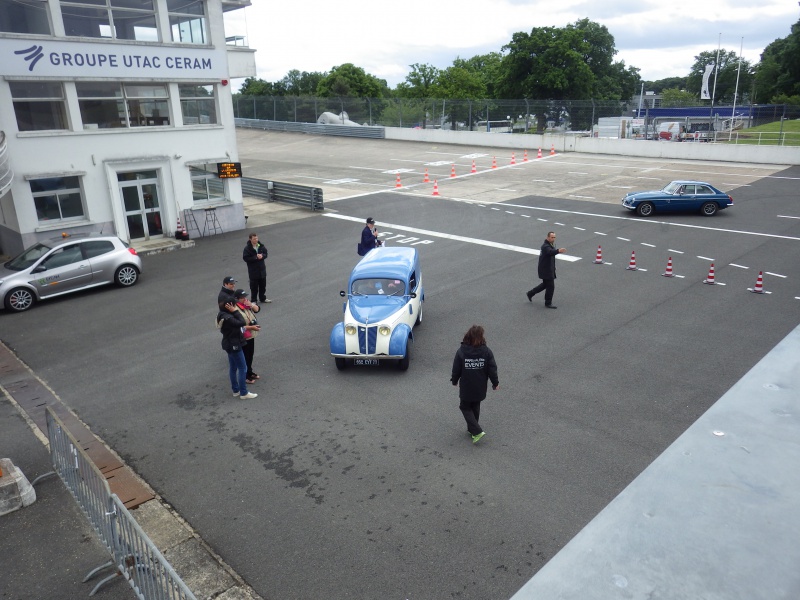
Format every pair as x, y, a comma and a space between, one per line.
370, 362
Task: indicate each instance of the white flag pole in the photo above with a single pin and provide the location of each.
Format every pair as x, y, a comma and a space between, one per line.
736, 91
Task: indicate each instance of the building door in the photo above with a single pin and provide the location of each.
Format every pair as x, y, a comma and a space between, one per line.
140, 199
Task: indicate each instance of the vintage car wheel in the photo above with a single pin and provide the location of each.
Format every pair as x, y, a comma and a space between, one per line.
645, 209
19, 299
126, 276
709, 209
419, 315
402, 364
341, 363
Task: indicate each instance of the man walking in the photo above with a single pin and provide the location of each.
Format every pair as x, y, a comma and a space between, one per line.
255, 255
547, 271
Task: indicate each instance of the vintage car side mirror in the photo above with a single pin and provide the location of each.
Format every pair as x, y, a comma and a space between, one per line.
413, 294
342, 293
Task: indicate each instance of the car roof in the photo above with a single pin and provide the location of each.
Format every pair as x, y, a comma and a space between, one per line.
690, 181
76, 237
393, 262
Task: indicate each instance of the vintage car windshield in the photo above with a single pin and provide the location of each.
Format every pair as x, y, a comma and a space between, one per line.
378, 286
672, 188
27, 258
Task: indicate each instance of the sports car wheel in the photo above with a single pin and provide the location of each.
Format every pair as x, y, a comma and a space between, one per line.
402, 364
126, 275
709, 209
645, 209
19, 299
341, 363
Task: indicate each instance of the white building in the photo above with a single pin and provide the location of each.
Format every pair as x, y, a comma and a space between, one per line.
116, 114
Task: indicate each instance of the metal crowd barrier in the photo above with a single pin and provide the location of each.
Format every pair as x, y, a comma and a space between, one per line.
134, 556
289, 193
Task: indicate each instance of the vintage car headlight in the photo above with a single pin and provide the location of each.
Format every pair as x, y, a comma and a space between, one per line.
384, 330
350, 329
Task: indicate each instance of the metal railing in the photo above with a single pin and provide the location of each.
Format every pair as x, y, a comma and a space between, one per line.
134, 556
289, 193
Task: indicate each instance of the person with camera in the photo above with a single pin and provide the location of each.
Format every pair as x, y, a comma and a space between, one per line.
247, 310
232, 326
369, 238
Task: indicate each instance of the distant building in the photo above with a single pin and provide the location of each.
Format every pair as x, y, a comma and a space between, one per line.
115, 116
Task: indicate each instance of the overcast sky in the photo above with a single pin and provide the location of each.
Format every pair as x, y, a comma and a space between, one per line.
660, 37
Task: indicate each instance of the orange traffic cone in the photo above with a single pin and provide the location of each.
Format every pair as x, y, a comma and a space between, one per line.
180, 231
397, 183
525, 156
599, 259
474, 170
513, 159
710, 279
632, 265
759, 289
453, 171
426, 179
494, 162
539, 154
435, 188
552, 149
668, 272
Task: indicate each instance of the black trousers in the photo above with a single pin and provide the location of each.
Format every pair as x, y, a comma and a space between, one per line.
471, 412
249, 350
549, 287
258, 289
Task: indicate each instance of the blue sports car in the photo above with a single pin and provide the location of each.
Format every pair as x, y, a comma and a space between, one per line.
684, 196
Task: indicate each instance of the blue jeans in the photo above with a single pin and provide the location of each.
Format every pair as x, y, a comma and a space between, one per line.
238, 372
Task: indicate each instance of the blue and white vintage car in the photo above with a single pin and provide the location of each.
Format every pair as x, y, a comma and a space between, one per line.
384, 302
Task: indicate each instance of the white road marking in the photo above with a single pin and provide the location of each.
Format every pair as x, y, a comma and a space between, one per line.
526, 216
623, 239
621, 187
340, 181
439, 163
650, 245
398, 171
737, 184
556, 223
493, 208
653, 178
675, 251
543, 180
739, 266
579, 228
509, 212
474, 155
457, 238
576, 173
787, 217
681, 276
544, 220
505, 190
600, 233
775, 274
584, 197
706, 258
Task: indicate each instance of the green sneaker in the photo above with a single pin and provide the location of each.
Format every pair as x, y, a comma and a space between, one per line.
477, 438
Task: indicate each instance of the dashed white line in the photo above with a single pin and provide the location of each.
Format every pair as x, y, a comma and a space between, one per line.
787, 217
675, 251
576, 173
579, 228
705, 258
543, 180
621, 187
649, 245
600, 233
545, 220
509, 212
493, 208
623, 239
558, 223
526, 216
584, 197
739, 266
775, 274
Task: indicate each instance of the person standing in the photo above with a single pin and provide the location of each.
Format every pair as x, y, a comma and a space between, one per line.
226, 293
369, 237
232, 326
473, 367
247, 310
255, 255
547, 271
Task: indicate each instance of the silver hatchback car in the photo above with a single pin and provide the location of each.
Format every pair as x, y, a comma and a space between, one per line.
67, 264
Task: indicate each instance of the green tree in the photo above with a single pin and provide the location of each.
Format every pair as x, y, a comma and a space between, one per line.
297, 83
674, 97
421, 82
484, 66
779, 69
347, 80
726, 73
260, 87
660, 85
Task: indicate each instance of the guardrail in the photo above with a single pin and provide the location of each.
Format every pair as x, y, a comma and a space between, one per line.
134, 556
289, 193
364, 131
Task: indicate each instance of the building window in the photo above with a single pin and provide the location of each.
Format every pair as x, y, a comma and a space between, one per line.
187, 21
206, 186
57, 198
114, 19
24, 16
198, 104
107, 105
39, 105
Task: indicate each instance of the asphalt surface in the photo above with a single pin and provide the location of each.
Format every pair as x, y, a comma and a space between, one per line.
364, 484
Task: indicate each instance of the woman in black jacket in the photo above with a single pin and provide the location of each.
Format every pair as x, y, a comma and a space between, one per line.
473, 366
232, 324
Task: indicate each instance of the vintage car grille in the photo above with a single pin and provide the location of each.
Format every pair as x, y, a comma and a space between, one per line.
366, 339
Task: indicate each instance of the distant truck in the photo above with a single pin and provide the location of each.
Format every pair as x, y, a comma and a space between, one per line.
671, 131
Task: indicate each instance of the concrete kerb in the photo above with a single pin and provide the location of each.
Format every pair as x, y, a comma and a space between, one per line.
204, 571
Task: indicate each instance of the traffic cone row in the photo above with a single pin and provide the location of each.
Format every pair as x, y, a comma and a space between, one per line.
180, 231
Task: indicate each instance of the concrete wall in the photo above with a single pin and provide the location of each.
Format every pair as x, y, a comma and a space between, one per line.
772, 155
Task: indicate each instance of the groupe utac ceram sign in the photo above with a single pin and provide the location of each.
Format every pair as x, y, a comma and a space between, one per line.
23, 57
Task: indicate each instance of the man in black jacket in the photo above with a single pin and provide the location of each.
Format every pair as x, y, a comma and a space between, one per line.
473, 366
226, 293
255, 255
547, 271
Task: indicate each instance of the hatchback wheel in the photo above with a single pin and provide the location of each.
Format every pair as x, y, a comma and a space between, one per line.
645, 209
126, 275
709, 209
19, 299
